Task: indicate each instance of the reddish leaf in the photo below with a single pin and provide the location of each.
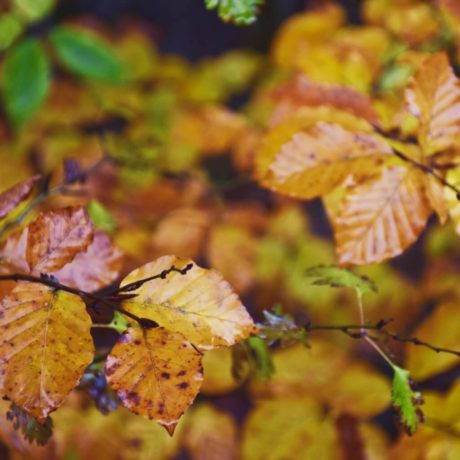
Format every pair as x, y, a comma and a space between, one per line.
10, 198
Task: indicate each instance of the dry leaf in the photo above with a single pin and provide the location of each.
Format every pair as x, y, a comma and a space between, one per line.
156, 373
46, 346
380, 218
95, 268
13, 196
200, 304
56, 237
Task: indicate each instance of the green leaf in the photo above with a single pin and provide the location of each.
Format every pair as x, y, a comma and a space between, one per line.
25, 80
33, 10
32, 429
10, 29
406, 401
86, 55
241, 12
261, 359
340, 277
101, 217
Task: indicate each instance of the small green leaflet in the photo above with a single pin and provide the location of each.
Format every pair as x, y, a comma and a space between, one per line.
406, 401
32, 10
340, 277
32, 429
25, 80
101, 218
86, 55
260, 358
241, 12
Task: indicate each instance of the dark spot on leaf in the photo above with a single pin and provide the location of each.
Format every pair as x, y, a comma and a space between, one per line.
181, 373
165, 375
182, 385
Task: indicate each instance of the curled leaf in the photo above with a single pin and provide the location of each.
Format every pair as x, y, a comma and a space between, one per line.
13, 196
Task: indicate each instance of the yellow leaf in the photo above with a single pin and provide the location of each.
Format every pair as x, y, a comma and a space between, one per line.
156, 373
210, 434
56, 237
440, 329
380, 218
294, 428
453, 202
199, 304
218, 378
433, 96
436, 196
311, 163
46, 346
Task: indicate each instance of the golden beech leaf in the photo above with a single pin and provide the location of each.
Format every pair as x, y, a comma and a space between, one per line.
56, 237
433, 96
211, 434
156, 373
301, 91
311, 163
218, 376
380, 218
95, 268
440, 329
199, 304
45, 346
13, 196
436, 196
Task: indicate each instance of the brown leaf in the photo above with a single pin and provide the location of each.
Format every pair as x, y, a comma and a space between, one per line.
156, 373
433, 96
13, 196
45, 346
99, 266
301, 91
56, 237
380, 218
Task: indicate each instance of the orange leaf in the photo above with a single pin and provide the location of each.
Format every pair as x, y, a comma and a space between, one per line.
433, 96
13, 196
97, 267
156, 373
380, 218
311, 163
46, 346
56, 237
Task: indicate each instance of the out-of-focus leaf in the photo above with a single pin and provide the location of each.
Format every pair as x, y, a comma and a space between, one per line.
33, 430
298, 426
155, 373
218, 377
33, 9
452, 198
241, 12
25, 80
406, 400
46, 346
199, 304
86, 55
56, 237
340, 277
279, 327
12, 197
101, 217
210, 434
10, 29
380, 218
440, 329
260, 354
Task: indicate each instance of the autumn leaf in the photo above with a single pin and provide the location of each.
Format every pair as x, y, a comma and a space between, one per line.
311, 163
433, 96
95, 268
56, 237
13, 196
380, 218
156, 373
199, 304
46, 346
406, 400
